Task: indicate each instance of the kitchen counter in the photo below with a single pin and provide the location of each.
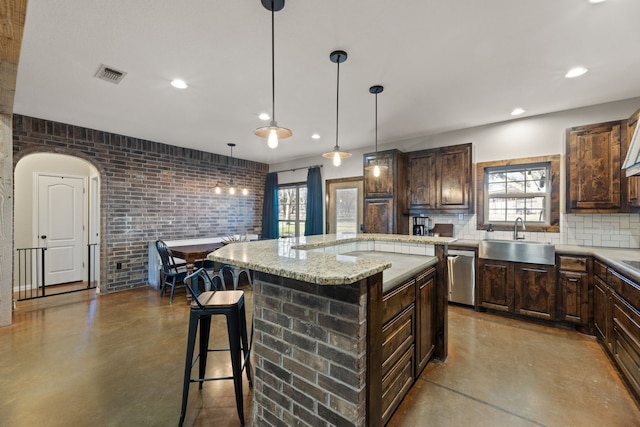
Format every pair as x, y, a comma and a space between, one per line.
321, 259
319, 320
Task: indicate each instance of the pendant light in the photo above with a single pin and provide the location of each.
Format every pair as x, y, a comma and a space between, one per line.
232, 189
375, 166
337, 57
273, 132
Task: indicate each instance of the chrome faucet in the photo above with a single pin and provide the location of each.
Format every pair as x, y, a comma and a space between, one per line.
515, 229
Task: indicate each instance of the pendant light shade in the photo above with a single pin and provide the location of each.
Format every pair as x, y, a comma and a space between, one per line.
375, 166
337, 155
273, 132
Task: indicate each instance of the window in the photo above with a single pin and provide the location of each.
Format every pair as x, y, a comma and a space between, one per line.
526, 188
292, 209
513, 191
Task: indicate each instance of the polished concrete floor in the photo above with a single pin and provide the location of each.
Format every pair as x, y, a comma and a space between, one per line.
118, 359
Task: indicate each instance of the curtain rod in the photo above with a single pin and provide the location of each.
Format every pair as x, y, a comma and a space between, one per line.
295, 169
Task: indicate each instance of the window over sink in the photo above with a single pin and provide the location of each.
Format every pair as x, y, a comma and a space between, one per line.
526, 188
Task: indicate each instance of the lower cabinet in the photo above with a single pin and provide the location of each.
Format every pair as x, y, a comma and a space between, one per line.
408, 337
526, 289
573, 290
626, 337
425, 335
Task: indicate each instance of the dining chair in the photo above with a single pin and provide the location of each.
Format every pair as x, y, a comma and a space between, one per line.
210, 268
173, 274
204, 305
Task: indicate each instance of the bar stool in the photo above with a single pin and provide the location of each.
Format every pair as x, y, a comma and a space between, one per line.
235, 274
203, 306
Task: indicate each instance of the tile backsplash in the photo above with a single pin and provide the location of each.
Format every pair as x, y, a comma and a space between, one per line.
604, 230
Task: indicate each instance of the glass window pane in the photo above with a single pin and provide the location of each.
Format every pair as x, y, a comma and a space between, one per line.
495, 177
346, 210
498, 187
515, 176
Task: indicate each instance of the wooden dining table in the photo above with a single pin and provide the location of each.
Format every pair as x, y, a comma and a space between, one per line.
192, 253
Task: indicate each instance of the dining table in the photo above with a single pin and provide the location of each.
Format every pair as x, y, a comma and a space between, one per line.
192, 253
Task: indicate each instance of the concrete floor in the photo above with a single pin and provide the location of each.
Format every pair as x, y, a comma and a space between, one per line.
117, 360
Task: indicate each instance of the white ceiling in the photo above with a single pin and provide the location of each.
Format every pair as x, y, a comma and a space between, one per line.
445, 65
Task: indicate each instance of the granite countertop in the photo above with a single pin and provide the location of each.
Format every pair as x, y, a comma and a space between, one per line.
292, 257
610, 256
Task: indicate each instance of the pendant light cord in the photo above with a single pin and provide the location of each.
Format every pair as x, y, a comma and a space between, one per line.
337, 103
273, 63
376, 127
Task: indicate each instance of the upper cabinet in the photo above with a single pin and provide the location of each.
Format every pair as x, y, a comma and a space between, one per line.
440, 180
385, 196
632, 182
593, 163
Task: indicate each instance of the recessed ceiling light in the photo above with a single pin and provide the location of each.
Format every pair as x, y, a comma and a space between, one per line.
517, 111
264, 116
575, 72
597, 1
315, 136
178, 83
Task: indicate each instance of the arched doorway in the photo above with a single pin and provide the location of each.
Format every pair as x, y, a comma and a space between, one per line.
57, 207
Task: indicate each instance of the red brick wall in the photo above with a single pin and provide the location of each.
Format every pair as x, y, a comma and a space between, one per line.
150, 190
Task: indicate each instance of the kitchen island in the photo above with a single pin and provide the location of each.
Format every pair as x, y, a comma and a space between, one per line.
325, 329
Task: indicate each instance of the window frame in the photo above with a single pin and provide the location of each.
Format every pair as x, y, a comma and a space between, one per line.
553, 162
297, 221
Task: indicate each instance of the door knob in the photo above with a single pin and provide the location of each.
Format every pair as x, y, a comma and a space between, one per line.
44, 236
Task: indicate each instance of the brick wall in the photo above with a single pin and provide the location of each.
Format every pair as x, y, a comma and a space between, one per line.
310, 353
150, 190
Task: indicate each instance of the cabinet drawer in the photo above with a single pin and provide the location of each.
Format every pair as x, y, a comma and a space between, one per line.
624, 287
572, 263
397, 337
397, 300
396, 384
600, 270
626, 329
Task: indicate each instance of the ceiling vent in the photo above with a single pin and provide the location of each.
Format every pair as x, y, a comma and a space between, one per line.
110, 74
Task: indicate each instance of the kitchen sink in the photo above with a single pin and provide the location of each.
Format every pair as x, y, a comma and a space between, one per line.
518, 251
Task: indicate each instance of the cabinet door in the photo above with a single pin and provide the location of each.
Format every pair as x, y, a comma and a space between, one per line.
573, 299
496, 284
626, 330
378, 216
633, 182
422, 180
593, 168
600, 308
425, 334
454, 179
535, 291
379, 186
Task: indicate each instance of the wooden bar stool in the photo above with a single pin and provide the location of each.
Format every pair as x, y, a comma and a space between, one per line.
203, 306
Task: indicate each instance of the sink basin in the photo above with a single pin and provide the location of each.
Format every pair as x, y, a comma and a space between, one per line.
518, 251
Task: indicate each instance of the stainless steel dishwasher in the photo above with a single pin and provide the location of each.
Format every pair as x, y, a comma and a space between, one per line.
462, 276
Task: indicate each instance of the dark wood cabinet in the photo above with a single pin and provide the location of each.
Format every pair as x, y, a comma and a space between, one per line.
626, 337
379, 216
495, 284
593, 162
573, 289
535, 290
632, 183
425, 336
526, 289
440, 180
385, 196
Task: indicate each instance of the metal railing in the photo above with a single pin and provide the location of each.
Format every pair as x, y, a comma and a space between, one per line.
31, 274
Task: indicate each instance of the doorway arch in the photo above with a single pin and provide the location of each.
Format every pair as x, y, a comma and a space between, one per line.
29, 166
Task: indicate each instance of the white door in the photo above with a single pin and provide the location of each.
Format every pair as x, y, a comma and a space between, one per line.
60, 225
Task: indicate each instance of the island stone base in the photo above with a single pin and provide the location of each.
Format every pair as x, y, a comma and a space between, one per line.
312, 346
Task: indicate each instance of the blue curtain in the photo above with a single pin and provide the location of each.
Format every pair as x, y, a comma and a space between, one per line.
270, 208
313, 224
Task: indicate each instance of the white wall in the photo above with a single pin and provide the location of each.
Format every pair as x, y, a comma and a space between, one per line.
532, 136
